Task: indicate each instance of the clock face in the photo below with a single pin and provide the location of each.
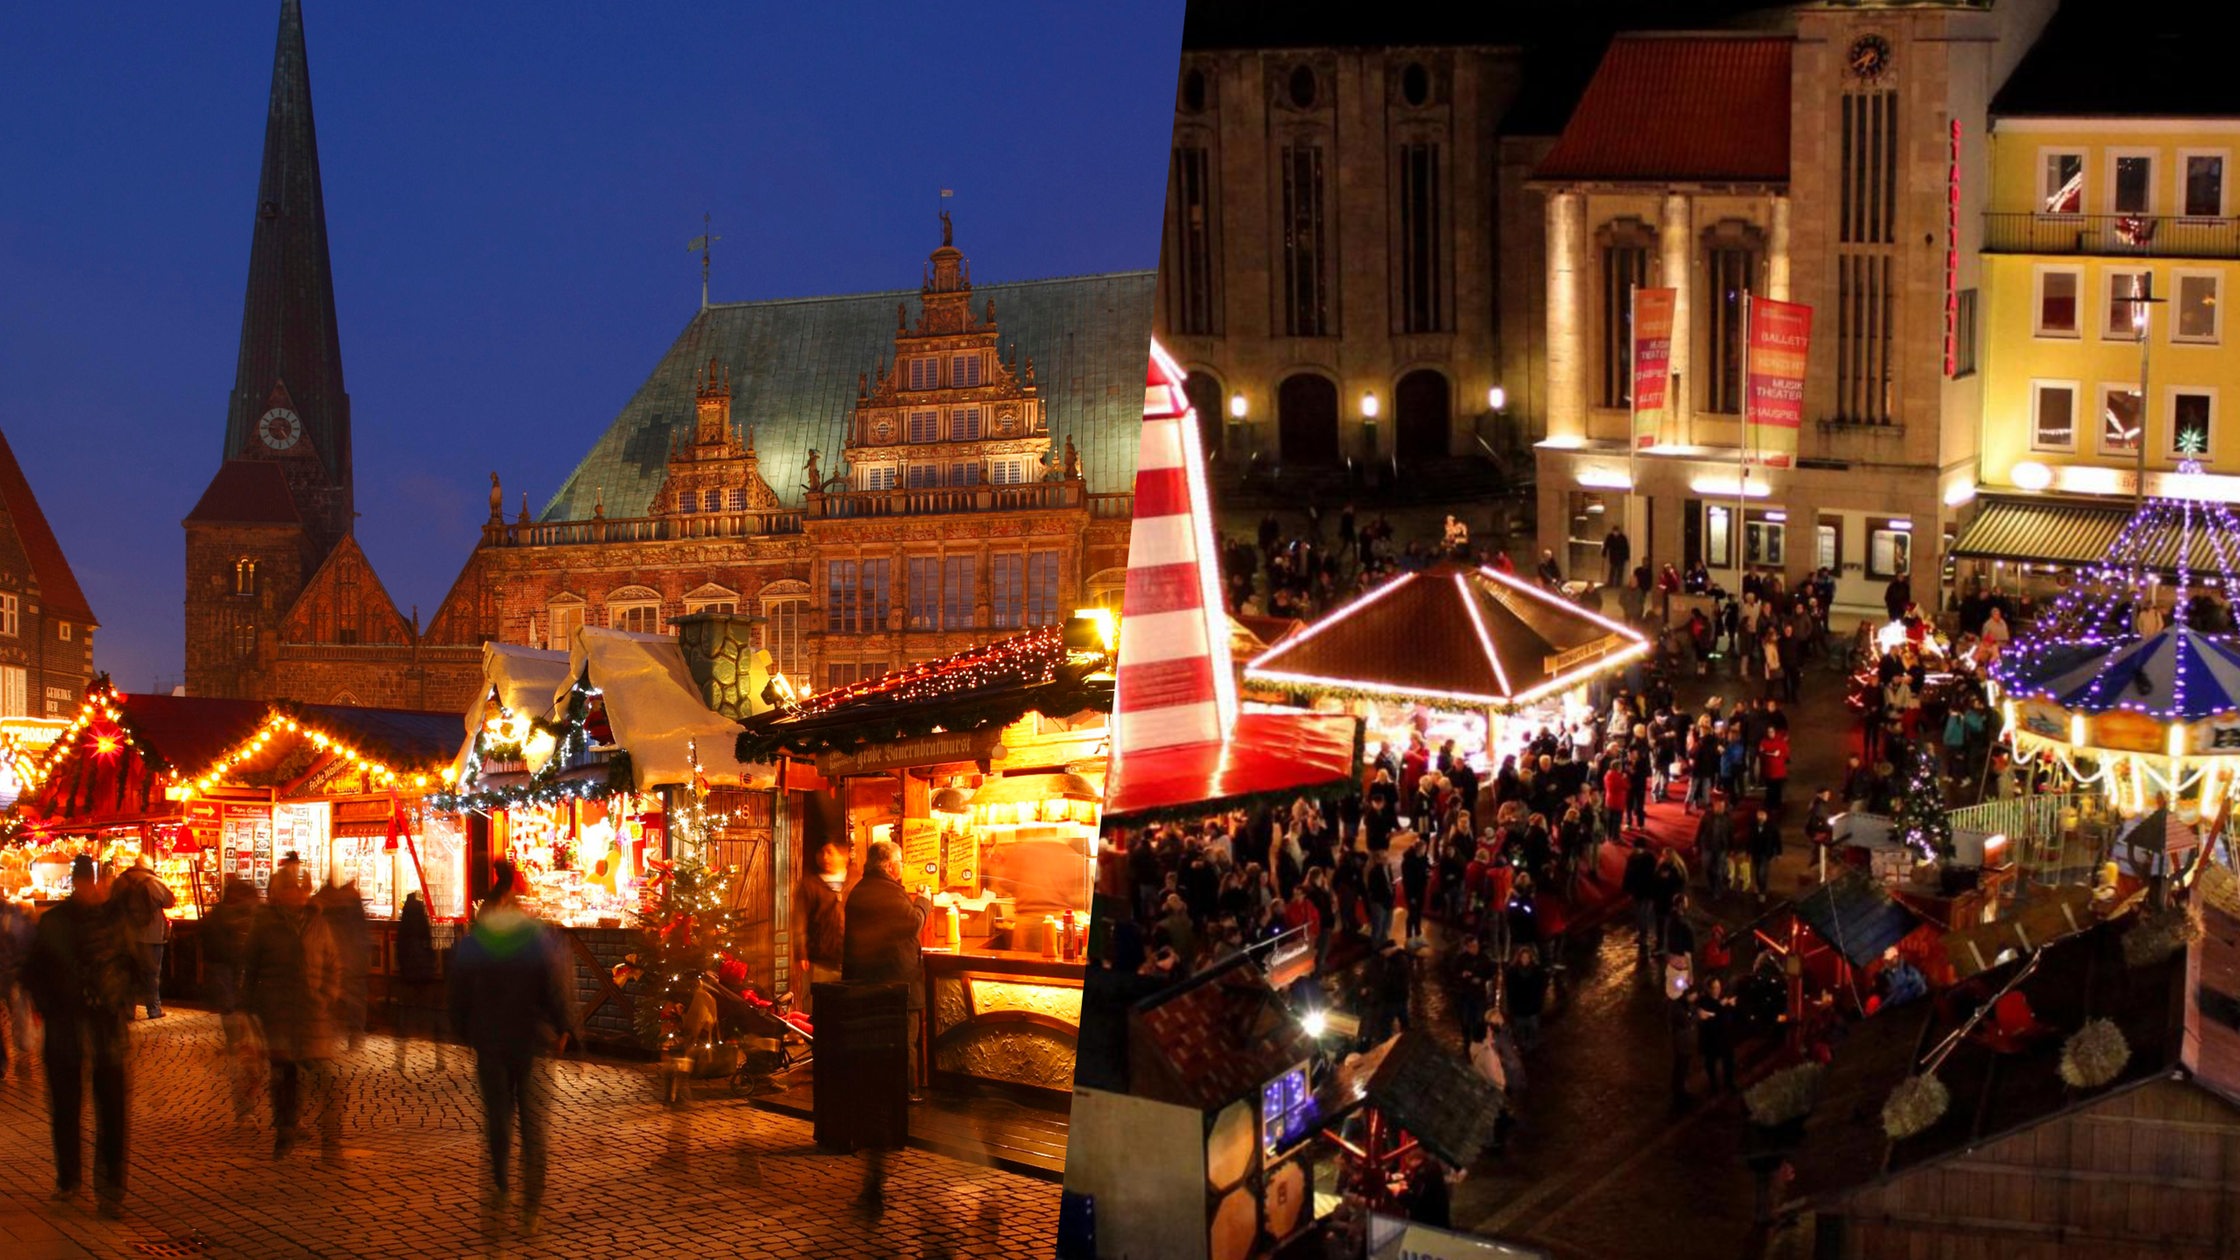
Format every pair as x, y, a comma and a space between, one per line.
882, 430
1870, 56
280, 428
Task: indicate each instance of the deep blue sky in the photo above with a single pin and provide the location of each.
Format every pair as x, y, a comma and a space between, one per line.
509, 188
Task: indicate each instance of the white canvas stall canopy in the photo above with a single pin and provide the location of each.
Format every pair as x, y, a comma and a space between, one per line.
523, 679
655, 711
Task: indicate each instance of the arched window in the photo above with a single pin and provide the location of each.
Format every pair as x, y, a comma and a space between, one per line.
785, 611
1307, 419
245, 577
1205, 394
1623, 249
636, 609
1421, 414
1732, 251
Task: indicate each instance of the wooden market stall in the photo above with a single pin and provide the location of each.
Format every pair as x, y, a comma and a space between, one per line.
986, 768
592, 770
209, 788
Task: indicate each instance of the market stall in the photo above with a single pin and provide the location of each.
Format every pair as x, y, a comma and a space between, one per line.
207, 789
595, 771
1452, 652
986, 768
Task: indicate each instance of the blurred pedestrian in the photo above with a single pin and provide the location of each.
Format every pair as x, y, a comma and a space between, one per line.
509, 1000
291, 977
416, 986
344, 910
16, 932
880, 945
822, 931
140, 899
82, 975
224, 939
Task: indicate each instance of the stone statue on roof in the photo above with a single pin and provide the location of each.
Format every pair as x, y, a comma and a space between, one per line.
948, 231
1073, 461
497, 500
816, 479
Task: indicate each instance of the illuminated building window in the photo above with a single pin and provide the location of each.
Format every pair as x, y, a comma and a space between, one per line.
1422, 232
922, 593
1625, 267
964, 424
2053, 416
965, 474
1042, 588
2204, 185
2131, 190
1731, 253
1306, 301
2195, 317
2122, 420
245, 577
1007, 595
924, 426
923, 476
1189, 255
2192, 416
957, 592
925, 373
11, 615
782, 628
15, 692
1964, 334
2057, 301
2124, 288
2061, 182
964, 370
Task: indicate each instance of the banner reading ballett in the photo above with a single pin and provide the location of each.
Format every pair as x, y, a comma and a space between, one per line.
1652, 361
1780, 335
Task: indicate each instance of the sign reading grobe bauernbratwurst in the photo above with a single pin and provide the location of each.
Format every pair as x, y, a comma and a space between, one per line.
1780, 336
919, 750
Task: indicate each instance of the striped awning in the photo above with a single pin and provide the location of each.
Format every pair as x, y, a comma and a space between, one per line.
2049, 531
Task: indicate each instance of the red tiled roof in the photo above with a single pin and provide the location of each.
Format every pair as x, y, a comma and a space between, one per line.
1680, 109
247, 492
58, 586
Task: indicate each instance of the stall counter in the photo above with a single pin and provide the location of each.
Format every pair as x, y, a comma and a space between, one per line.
1010, 1017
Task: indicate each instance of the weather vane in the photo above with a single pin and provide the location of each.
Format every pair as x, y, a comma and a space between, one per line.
705, 243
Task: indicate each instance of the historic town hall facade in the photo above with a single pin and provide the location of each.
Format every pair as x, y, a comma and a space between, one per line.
883, 486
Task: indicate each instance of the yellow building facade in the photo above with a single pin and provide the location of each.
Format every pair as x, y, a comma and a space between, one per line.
2086, 216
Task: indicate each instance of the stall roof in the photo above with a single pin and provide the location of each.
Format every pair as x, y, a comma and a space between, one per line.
2178, 1016
1267, 756
524, 679
654, 708
1854, 914
403, 739
994, 684
188, 733
1449, 635
1214, 1038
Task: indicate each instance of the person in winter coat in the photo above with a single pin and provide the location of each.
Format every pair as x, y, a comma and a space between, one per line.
1765, 848
1379, 894
82, 977
140, 899
225, 948
1526, 991
1640, 883
1773, 762
1671, 886
415, 987
1715, 1034
1714, 833
1469, 973
880, 938
291, 978
16, 931
345, 912
509, 1001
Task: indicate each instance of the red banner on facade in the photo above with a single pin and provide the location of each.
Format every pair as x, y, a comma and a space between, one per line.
1652, 361
1780, 337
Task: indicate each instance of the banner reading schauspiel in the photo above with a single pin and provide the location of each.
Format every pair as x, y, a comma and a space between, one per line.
1652, 361
1780, 336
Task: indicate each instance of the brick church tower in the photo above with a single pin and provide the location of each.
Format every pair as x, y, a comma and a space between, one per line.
280, 503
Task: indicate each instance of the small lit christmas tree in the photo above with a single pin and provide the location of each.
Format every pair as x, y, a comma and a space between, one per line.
690, 926
1920, 818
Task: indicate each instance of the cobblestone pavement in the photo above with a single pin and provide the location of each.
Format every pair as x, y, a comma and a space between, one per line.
629, 1176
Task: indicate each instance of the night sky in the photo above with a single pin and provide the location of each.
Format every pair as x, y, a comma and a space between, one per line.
509, 190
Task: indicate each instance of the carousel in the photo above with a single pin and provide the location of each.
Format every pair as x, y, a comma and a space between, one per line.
2131, 681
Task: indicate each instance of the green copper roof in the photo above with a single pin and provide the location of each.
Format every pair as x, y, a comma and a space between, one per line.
794, 367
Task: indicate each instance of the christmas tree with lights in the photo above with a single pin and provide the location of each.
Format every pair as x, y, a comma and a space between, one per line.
1920, 819
691, 929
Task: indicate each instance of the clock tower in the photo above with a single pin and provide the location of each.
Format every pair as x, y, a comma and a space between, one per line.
279, 504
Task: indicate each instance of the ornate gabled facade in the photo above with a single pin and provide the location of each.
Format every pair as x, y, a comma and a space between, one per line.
46, 626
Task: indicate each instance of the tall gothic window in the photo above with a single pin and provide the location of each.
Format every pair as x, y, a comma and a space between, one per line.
1189, 253
1422, 295
1624, 247
1866, 294
1306, 299
1730, 273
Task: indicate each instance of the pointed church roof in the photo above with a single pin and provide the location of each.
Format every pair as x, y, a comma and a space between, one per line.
247, 492
288, 330
58, 586
794, 365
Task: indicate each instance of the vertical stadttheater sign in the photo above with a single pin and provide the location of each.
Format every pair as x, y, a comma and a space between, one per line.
1780, 335
1652, 361
1952, 253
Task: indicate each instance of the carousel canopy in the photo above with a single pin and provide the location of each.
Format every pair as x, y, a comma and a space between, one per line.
1450, 635
2177, 674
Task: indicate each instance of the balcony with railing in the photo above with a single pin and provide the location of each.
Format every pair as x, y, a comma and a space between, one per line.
642, 529
1034, 496
1029, 496
2117, 235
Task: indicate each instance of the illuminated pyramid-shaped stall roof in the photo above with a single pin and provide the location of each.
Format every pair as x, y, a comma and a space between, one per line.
1450, 635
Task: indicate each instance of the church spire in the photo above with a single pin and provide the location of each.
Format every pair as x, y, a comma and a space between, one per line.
288, 330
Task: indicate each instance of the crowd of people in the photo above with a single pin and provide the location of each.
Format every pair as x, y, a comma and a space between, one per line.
287, 971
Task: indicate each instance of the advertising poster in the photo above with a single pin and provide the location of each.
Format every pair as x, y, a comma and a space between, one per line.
1780, 336
1652, 362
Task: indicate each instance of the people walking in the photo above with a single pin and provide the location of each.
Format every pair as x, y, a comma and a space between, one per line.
83, 978
414, 987
292, 979
509, 1001
1714, 832
16, 932
822, 935
879, 945
224, 938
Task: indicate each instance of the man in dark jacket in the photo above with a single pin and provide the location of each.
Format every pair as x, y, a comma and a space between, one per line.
139, 899
81, 976
1640, 883
509, 1001
880, 938
822, 935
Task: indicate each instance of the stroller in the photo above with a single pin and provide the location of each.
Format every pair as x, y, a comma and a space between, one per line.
740, 1035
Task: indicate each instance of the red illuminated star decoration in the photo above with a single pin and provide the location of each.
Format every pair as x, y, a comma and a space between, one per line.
108, 741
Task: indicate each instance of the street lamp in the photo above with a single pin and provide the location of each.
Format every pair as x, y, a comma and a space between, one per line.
1497, 398
1237, 409
1369, 409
